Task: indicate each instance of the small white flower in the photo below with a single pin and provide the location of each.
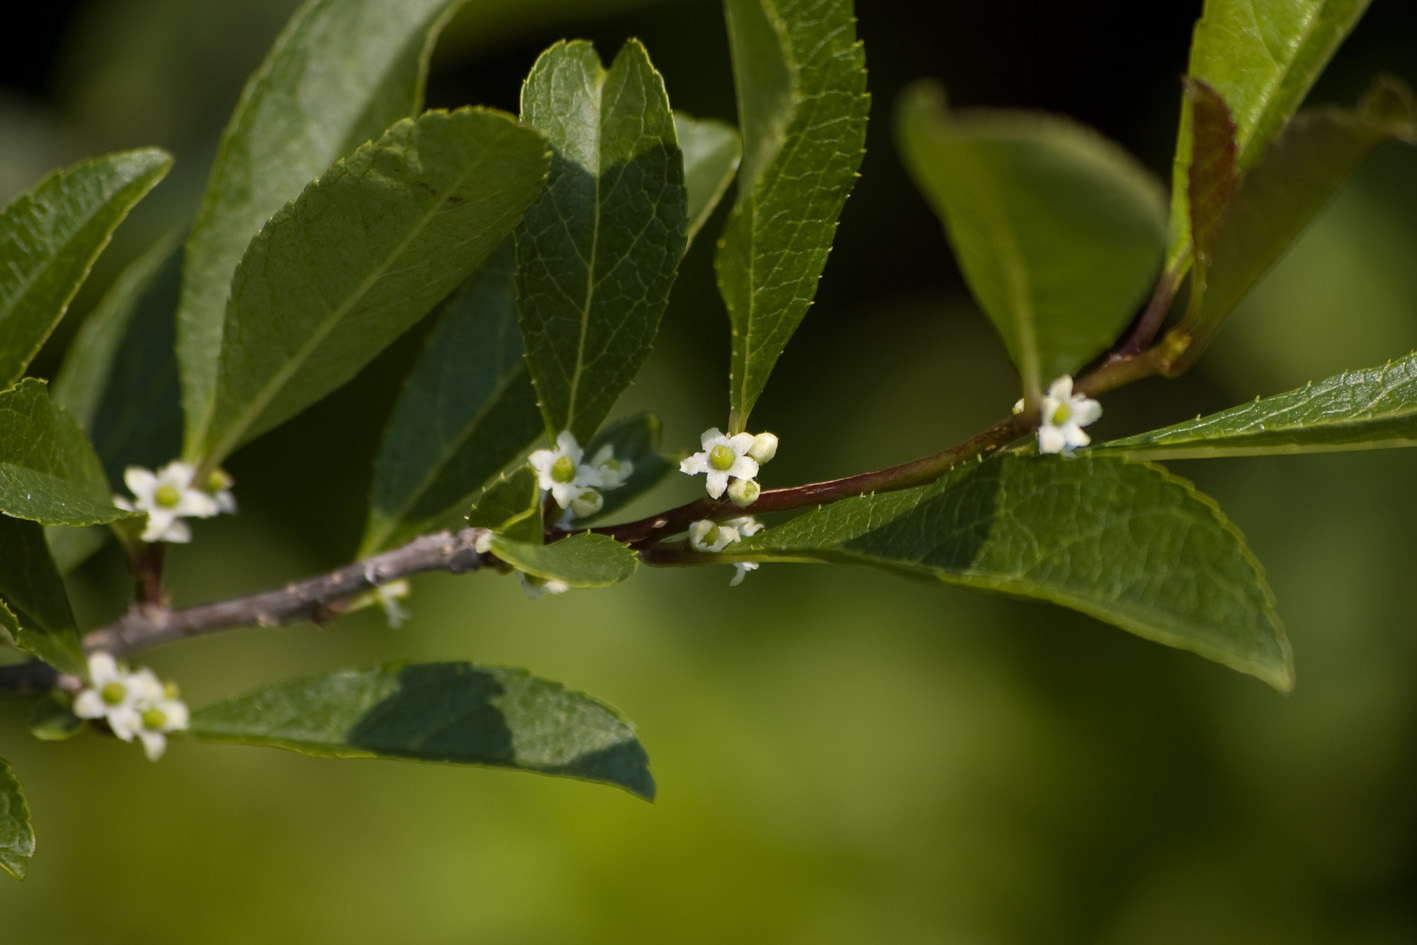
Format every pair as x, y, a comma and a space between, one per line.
744, 492
164, 713
612, 472
586, 503
722, 458
764, 447
168, 497
218, 486
536, 588
743, 568
561, 472
390, 597
708, 535
132, 703
1064, 414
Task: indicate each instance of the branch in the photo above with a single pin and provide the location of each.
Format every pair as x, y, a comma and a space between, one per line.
316, 599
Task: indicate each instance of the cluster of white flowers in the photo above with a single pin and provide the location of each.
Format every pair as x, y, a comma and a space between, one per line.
1063, 415
711, 536
132, 703
169, 498
730, 463
577, 486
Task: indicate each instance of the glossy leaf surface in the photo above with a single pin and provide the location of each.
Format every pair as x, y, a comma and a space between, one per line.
1125, 542
340, 73
1261, 56
16, 831
49, 472
1058, 231
37, 613
584, 560
466, 411
712, 150
1369, 409
50, 236
440, 712
359, 256
800, 77
511, 506
598, 251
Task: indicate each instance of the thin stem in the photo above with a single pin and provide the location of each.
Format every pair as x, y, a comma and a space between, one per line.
318, 598
1144, 331
915, 473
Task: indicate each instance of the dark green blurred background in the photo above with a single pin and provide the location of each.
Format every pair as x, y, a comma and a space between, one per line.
842, 756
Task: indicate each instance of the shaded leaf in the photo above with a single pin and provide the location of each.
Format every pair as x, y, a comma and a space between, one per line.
50, 236
119, 377
636, 440
511, 506
1261, 56
1058, 231
712, 150
52, 718
597, 253
1125, 542
800, 77
1303, 167
16, 831
584, 560
37, 613
359, 256
1369, 409
1212, 173
48, 470
443, 712
466, 411
339, 74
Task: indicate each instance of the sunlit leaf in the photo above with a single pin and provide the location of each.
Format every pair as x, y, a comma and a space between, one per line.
712, 150
1261, 56
340, 73
50, 236
597, 253
442, 712
48, 469
1058, 231
800, 77
16, 831
510, 505
467, 409
37, 613
584, 560
359, 256
1125, 542
1356, 410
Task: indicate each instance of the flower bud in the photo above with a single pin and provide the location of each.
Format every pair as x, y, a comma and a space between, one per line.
764, 447
586, 503
744, 492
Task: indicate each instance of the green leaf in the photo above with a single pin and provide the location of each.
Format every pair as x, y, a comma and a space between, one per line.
37, 614
442, 712
1058, 231
119, 377
1125, 542
16, 831
597, 253
1212, 171
1370, 409
634, 440
1303, 167
712, 150
52, 718
800, 77
511, 506
584, 560
359, 256
339, 74
48, 470
49, 238
466, 411
1262, 56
